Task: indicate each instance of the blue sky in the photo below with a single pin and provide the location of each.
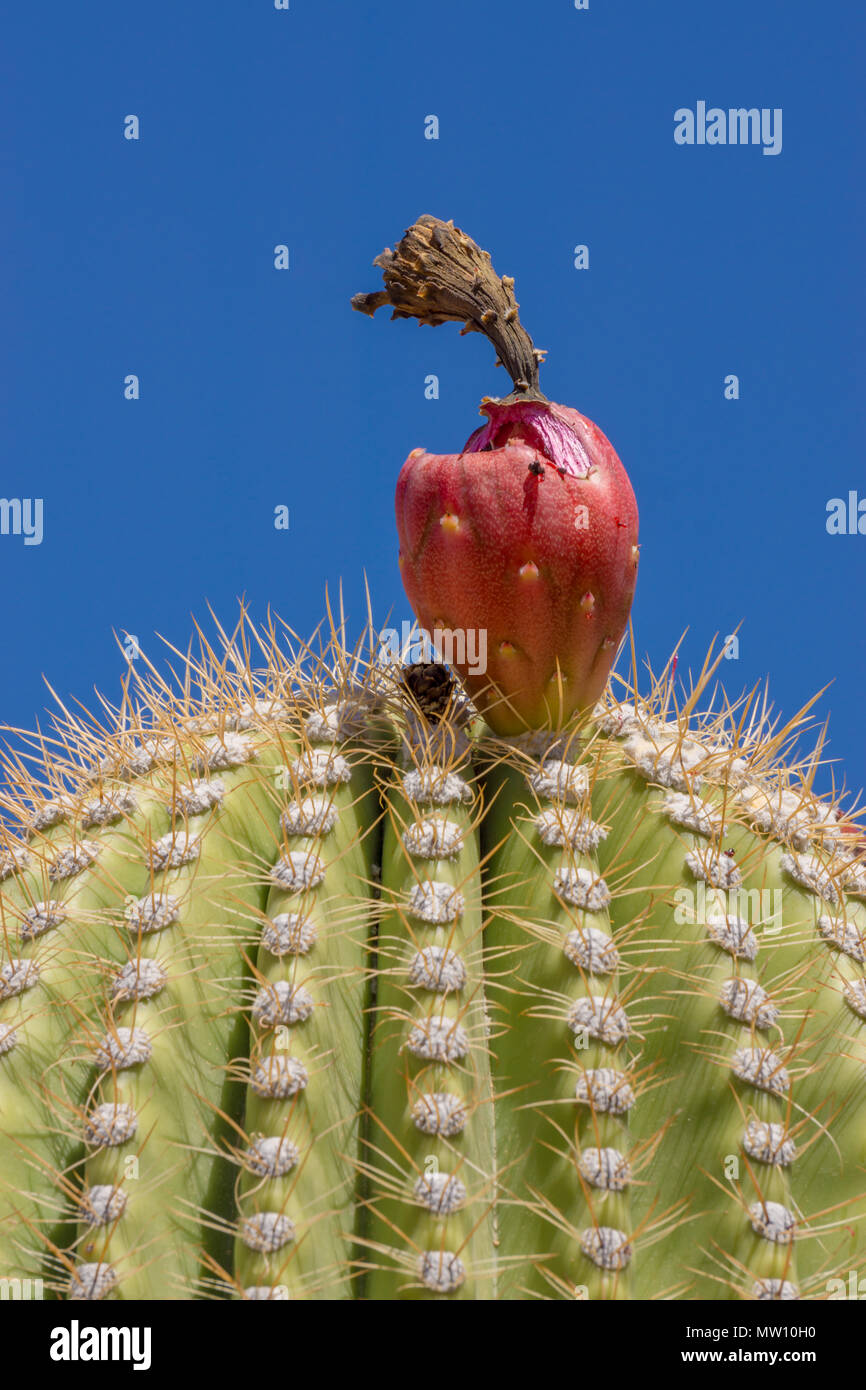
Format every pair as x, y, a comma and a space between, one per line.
261, 387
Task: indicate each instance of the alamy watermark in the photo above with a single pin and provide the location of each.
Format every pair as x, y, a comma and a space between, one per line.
735, 126
21, 1289
22, 516
705, 906
459, 646
854, 1289
846, 518
77, 1343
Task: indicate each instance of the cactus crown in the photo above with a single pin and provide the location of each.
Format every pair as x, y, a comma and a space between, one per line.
313, 987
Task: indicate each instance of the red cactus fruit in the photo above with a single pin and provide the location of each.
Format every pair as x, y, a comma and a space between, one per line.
518, 555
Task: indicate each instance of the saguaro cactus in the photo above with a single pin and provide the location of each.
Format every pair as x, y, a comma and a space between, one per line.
313, 986
319, 980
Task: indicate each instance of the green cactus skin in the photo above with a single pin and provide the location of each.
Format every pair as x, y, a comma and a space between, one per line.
430, 1147
296, 1189
247, 1051
550, 952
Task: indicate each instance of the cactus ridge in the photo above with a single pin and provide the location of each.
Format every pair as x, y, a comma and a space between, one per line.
313, 987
